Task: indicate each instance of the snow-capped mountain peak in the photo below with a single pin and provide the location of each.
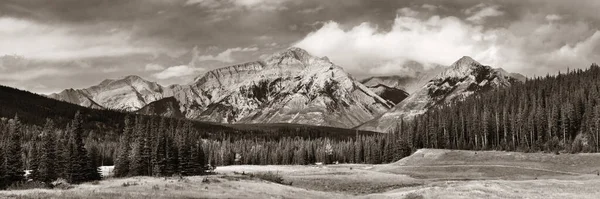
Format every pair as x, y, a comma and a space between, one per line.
462, 79
128, 93
464, 61
290, 86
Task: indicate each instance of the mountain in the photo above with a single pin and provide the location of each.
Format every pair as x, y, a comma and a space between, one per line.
291, 86
394, 81
391, 94
128, 94
517, 76
168, 107
408, 84
463, 78
105, 126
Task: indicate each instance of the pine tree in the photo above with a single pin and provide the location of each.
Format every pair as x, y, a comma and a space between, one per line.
137, 165
34, 160
172, 158
92, 168
80, 168
159, 153
123, 161
14, 164
196, 159
3, 180
47, 162
183, 153
62, 155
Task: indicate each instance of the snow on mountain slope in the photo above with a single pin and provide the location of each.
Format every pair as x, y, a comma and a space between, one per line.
463, 78
288, 87
128, 94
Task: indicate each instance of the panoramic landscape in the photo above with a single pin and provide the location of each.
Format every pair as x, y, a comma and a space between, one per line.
299, 99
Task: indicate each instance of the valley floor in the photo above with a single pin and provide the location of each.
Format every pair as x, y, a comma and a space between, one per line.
427, 173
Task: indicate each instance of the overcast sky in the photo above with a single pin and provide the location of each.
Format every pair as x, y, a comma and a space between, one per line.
50, 45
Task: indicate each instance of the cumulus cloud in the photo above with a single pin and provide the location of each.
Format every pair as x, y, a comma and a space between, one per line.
573, 53
365, 49
177, 71
481, 12
225, 56
531, 45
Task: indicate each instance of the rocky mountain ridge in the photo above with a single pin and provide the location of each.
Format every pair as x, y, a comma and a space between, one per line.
463, 78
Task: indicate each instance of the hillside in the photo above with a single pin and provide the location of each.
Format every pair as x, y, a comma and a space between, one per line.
33, 109
462, 79
550, 113
391, 94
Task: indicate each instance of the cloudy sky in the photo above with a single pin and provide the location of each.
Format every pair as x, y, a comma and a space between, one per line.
47, 46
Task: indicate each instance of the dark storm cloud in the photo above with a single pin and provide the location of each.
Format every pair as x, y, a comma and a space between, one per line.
120, 37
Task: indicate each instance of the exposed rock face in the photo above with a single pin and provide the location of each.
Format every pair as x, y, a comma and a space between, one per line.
409, 84
391, 94
128, 94
463, 78
288, 87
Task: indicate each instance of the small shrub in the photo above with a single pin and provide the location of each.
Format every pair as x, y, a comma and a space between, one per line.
270, 176
126, 184
61, 184
183, 179
414, 196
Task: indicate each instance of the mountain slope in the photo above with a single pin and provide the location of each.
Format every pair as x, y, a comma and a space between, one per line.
106, 125
393, 95
463, 78
409, 84
127, 94
168, 107
288, 87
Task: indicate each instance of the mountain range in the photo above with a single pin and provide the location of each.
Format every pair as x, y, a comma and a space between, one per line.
293, 86
462, 79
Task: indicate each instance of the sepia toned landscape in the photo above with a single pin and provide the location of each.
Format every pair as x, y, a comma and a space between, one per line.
411, 99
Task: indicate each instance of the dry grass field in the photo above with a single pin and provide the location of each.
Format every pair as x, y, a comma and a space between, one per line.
427, 173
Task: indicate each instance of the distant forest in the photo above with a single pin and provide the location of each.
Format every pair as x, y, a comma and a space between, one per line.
550, 113
159, 146
54, 139
44, 133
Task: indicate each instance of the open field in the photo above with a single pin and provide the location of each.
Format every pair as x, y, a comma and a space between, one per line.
425, 174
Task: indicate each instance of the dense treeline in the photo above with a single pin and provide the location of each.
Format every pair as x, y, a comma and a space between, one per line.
102, 128
165, 147
551, 113
53, 154
158, 146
